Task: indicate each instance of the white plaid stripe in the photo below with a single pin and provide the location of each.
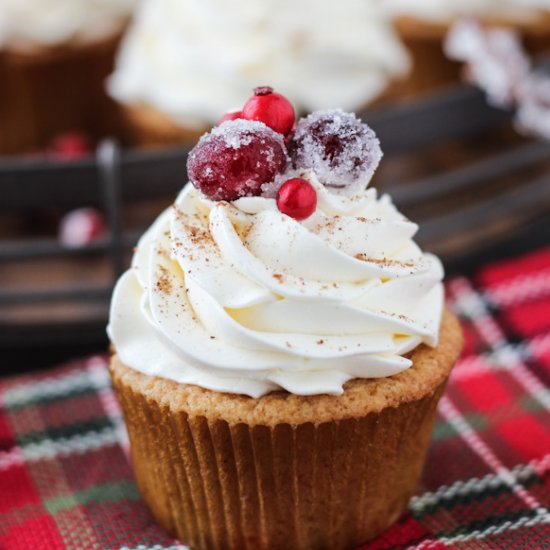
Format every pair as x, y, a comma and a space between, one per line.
13, 457
51, 448
502, 358
451, 414
479, 534
519, 289
527, 521
59, 386
468, 303
471, 305
476, 485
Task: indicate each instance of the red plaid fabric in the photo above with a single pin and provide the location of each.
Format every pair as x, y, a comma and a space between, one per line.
65, 479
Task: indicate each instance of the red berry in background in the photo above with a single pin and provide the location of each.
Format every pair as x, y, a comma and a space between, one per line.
297, 198
271, 108
233, 115
70, 146
341, 149
81, 227
235, 159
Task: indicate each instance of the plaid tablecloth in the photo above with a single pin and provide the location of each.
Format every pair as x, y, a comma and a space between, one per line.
65, 479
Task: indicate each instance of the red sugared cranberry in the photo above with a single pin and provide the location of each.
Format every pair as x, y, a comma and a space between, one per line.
233, 115
70, 146
81, 227
236, 159
271, 108
337, 146
297, 198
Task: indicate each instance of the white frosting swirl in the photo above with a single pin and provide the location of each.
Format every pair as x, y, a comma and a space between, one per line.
27, 24
443, 11
190, 59
244, 299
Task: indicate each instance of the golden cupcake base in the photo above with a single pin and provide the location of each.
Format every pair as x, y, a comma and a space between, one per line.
228, 472
48, 91
431, 70
146, 127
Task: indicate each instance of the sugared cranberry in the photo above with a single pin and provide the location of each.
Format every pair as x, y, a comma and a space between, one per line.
271, 108
337, 146
297, 198
232, 115
70, 146
288, 137
236, 159
81, 227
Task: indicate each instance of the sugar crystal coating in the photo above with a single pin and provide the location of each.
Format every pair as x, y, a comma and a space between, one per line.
235, 159
342, 150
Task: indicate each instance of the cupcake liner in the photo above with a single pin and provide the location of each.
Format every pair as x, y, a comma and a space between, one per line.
144, 126
283, 472
45, 92
220, 485
432, 70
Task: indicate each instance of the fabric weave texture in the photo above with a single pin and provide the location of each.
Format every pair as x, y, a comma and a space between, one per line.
66, 481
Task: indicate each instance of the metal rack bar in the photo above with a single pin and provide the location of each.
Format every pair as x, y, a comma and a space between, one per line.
108, 162
465, 179
530, 198
14, 250
67, 294
450, 114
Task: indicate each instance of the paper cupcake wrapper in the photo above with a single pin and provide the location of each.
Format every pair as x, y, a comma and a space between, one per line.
146, 127
216, 485
50, 91
431, 70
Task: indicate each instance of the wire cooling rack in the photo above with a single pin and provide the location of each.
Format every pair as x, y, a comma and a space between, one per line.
452, 163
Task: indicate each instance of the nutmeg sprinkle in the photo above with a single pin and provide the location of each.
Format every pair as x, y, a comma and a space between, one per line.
164, 283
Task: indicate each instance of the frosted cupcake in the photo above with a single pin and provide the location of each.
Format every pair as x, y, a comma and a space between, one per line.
423, 26
54, 57
281, 341
183, 62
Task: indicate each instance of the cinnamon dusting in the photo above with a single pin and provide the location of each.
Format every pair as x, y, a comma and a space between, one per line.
383, 261
197, 235
164, 282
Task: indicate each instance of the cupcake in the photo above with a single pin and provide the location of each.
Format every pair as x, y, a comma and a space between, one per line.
424, 25
54, 57
280, 342
182, 64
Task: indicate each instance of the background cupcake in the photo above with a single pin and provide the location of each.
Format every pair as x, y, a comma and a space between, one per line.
54, 57
183, 61
423, 26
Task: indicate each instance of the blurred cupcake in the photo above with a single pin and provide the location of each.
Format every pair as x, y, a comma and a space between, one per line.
424, 24
54, 57
183, 61
281, 341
